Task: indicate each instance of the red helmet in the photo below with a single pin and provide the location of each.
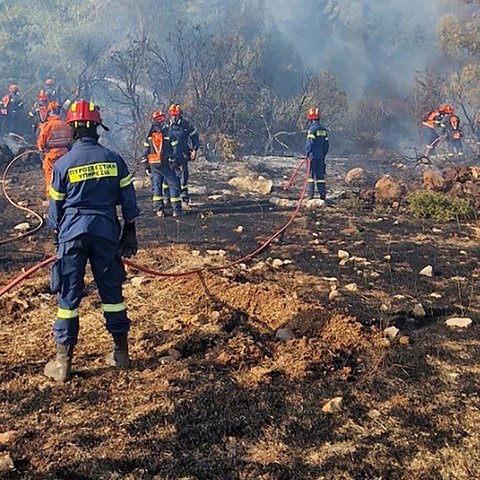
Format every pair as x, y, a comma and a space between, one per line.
448, 109
13, 88
158, 116
175, 110
83, 111
313, 113
48, 81
442, 107
42, 95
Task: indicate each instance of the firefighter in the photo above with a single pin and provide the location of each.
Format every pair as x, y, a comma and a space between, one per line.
185, 143
88, 183
54, 141
12, 104
39, 112
453, 131
433, 129
52, 90
316, 149
160, 165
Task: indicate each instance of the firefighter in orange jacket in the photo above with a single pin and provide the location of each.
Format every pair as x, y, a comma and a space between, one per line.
434, 129
54, 141
454, 133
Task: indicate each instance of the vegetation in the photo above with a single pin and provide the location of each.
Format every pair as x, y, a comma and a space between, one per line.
438, 206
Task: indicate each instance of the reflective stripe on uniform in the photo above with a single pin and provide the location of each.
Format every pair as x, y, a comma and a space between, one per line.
57, 196
311, 180
310, 136
174, 143
175, 199
65, 314
184, 187
126, 181
114, 307
164, 185
157, 198
320, 181
92, 171
321, 133
146, 144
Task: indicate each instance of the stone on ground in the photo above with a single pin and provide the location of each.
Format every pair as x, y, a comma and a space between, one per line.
285, 334
333, 406
459, 322
427, 271
388, 190
259, 185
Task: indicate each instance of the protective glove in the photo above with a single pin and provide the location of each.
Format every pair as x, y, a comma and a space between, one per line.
148, 169
128, 241
55, 240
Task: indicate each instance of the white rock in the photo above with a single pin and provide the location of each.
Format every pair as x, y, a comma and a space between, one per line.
330, 279
6, 462
287, 262
463, 252
459, 322
198, 189
215, 197
251, 184
174, 353
375, 275
195, 253
343, 254
282, 202
343, 261
314, 203
285, 334
239, 229
334, 295
427, 271
22, 227
435, 295
387, 257
391, 332
277, 263
333, 406
24, 203
137, 281
351, 287
242, 266
436, 230
419, 311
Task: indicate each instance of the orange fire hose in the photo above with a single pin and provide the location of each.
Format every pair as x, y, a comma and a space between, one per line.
150, 271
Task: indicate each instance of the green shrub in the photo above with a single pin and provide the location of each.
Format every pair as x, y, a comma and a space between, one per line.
438, 206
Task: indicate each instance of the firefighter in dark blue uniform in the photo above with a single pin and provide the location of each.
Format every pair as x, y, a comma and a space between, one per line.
87, 184
316, 148
161, 167
185, 143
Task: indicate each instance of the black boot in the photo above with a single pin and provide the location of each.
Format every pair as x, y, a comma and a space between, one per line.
60, 368
119, 356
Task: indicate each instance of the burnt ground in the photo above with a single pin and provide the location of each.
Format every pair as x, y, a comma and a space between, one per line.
240, 404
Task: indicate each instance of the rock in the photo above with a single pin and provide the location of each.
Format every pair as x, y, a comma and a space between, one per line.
140, 183
436, 230
419, 311
215, 197
384, 307
427, 271
258, 266
285, 334
404, 340
433, 181
24, 203
343, 254
463, 252
435, 295
459, 322
8, 437
391, 332
213, 253
375, 275
343, 261
351, 287
166, 359
137, 281
314, 203
334, 295
6, 462
356, 177
22, 227
387, 257
239, 229
174, 353
198, 189
195, 253
388, 190
282, 202
330, 279
242, 266
333, 406
288, 262
277, 263
251, 184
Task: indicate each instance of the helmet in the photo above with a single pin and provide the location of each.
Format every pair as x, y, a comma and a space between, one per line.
13, 88
42, 95
448, 109
48, 81
83, 111
158, 116
442, 107
313, 113
175, 110
53, 107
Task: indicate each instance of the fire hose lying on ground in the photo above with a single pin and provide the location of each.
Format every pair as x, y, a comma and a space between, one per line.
136, 266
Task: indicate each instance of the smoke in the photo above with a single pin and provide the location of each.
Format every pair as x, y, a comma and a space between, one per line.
368, 44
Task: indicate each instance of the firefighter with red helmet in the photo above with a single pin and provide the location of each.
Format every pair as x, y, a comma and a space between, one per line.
10, 108
185, 143
433, 129
39, 112
160, 166
88, 183
316, 149
52, 90
453, 132
53, 141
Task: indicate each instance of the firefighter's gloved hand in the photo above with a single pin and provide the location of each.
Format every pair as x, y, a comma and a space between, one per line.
148, 169
193, 155
128, 241
55, 240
